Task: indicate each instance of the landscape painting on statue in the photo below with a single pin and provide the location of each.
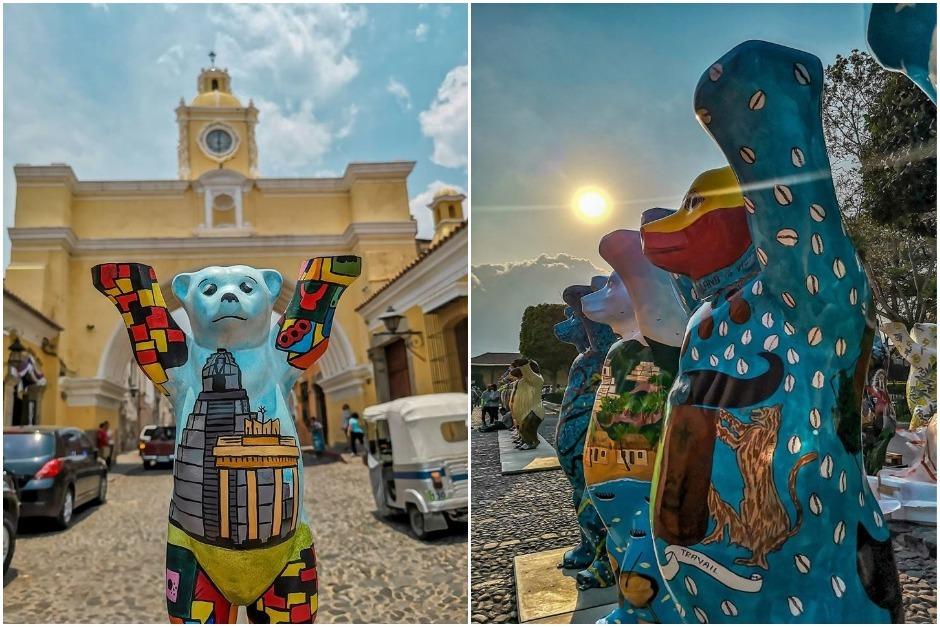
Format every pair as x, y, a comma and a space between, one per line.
236, 313
721, 260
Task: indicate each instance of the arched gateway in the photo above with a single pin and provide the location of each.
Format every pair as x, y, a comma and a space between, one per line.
220, 211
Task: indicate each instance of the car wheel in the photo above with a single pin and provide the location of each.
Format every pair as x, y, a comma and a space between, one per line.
64, 519
102, 490
9, 542
416, 522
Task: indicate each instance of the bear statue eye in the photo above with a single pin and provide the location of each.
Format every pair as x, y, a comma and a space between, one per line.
245, 287
210, 289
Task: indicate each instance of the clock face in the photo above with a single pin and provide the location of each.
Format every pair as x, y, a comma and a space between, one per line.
219, 141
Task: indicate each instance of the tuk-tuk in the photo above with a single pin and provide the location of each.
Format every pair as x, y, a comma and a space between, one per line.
417, 458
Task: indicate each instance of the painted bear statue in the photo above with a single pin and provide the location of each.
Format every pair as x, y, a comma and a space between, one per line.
238, 534
624, 433
525, 403
761, 510
919, 349
592, 339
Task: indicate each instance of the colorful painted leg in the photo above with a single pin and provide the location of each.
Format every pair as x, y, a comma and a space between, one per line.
598, 574
191, 597
292, 598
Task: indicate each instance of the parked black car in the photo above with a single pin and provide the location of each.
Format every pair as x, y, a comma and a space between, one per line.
11, 517
55, 469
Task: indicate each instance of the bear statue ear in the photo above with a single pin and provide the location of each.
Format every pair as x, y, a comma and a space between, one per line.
181, 285
273, 279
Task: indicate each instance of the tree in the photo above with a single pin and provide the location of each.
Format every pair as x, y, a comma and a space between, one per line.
881, 135
537, 339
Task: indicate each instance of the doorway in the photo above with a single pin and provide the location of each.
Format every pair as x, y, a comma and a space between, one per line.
399, 378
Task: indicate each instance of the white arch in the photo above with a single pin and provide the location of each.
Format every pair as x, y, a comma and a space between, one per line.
338, 360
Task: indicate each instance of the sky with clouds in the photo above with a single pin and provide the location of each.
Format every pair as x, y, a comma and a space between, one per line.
566, 96
95, 86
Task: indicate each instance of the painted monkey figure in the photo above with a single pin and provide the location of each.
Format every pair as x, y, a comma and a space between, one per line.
592, 340
795, 332
238, 534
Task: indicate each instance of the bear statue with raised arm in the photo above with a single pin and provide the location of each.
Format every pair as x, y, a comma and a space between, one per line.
592, 339
761, 510
238, 534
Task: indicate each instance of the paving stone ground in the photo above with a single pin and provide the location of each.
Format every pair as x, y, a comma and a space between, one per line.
109, 566
522, 514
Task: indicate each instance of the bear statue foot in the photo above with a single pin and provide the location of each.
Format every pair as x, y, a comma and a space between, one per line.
597, 575
578, 558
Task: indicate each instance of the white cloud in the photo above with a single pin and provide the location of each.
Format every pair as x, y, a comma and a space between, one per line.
173, 59
421, 32
501, 292
445, 121
290, 141
401, 93
304, 45
419, 207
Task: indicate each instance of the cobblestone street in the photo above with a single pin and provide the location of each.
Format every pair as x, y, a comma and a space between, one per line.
528, 513
109, 566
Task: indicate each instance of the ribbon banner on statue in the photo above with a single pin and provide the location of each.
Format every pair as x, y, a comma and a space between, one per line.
676, 554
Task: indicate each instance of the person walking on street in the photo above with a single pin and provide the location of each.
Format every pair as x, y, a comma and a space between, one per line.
105, 445
355, 433
347, 414
490, 404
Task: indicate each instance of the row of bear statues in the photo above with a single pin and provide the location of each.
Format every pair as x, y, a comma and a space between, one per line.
712, 426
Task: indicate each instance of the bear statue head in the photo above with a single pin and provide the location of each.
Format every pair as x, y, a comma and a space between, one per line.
611, 305
925, 334
708, 233
228, 306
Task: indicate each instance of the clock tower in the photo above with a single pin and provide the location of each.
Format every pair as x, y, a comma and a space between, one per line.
215, 131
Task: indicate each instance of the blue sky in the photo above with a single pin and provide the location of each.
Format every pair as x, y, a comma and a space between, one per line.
95, 86
567, 95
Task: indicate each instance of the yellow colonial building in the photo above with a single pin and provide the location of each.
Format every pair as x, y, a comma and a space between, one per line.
222, 211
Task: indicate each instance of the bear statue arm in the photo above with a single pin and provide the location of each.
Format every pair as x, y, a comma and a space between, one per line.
902, 340
302, 334
158, 342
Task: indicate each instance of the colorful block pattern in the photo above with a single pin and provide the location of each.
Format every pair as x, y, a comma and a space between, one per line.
292, 598
191, 597
158, 343
305, 326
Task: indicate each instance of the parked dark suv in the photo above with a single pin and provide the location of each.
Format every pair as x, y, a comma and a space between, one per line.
56, 469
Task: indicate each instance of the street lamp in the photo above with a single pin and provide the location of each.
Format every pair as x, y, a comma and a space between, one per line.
391, 319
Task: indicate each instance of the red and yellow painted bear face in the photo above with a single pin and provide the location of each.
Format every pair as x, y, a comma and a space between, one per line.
708, 232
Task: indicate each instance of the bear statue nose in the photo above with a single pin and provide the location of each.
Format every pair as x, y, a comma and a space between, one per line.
229, 298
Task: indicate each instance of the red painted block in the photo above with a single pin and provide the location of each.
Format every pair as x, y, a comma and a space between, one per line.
175, 335
308, 574
139, 333
125, 300
147, 357
124, 271
157, 318
107, 274
153, 275
300, 613
272, 600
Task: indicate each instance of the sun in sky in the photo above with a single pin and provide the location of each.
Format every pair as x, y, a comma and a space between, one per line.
592, 204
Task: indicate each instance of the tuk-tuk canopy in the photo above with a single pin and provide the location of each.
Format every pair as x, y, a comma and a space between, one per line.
422, 427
